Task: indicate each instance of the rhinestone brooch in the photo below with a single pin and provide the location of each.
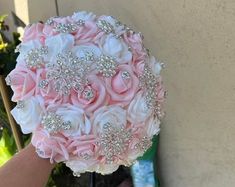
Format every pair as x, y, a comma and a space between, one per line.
53, 123
105, 26
34, 58
148, 82
69, 72
113, 141
143, 144
66, 28
106, 66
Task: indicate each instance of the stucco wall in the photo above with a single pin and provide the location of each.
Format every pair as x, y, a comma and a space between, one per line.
196, 40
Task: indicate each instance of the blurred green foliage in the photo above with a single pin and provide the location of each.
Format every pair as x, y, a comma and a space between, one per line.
7, 48
7, 63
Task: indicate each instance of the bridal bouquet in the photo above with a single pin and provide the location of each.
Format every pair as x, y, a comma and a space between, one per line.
88, 91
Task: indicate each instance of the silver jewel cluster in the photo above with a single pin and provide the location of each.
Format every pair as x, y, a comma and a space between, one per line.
53, 123
125, 75
64, 27
148, 82
88, 94
69, 72
51, 21
34, 58
144, 144
105, 26
106, 65
113, 141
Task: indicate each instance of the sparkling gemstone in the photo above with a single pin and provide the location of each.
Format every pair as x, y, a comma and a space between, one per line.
80, 22
148, 81
51, 21
143, 144
43, 83
106, 66
105, 26
125, 75
66, 28
69, 72
53, 123
88, 94
34, 58
113, 141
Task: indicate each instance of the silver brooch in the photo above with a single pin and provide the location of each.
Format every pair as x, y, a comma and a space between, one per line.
106, 65
66, 28
144, 144
88, 94
148, 82
125, 75
105, 26
53, 123
69, 72
34, 58
113, 141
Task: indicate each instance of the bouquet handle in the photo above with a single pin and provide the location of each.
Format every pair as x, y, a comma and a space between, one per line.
7, 105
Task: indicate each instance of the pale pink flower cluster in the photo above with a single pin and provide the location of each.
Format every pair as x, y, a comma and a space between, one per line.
107, 121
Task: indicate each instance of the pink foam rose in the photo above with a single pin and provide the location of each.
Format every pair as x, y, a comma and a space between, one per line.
48, 93
87, 33
33, 32
135, 41
122, 89
48, 30
50, 146
83, 147
23, 83
99, 98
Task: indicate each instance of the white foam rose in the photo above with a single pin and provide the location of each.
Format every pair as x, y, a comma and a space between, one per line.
152, 126
116, 48
58, 44
83, 15
118, 27
138, 111
80, 124
155, 65
82, 50
28, 114
79, 166
25, 47
115, 115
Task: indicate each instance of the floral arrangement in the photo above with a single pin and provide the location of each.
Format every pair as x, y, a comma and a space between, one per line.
88, 90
